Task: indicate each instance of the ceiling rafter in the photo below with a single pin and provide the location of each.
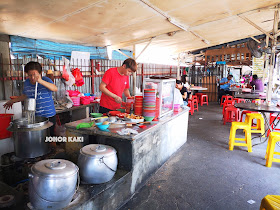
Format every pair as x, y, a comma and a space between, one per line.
173, 21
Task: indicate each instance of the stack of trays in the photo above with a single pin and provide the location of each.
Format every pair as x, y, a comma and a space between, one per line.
138, 105
149, 104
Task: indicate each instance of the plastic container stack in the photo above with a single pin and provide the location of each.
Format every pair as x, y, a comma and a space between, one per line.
149, 104
138, 105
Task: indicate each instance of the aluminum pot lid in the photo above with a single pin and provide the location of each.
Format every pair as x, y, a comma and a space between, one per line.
54, 168
96, 150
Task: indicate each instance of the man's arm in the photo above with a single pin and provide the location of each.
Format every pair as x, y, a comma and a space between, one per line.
10, 103
127, 93
103, 89
48, 85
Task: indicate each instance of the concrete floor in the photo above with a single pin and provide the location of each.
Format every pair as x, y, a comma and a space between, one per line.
204, 174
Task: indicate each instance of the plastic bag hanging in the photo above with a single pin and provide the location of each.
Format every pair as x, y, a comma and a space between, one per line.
79, 81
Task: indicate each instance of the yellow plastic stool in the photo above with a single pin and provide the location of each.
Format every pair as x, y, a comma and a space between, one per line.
247, 128
260, 122
273, 138
270, 202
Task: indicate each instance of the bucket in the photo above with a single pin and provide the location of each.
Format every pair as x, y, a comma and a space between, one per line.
76, 101
5, 120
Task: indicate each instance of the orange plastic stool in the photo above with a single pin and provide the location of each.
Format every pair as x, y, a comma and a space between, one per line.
246, 142
202, 101
225, 97
270, 202
231, 114
273, 138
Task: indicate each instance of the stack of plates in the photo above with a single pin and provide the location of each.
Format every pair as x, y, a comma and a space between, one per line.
138, 105
149, 104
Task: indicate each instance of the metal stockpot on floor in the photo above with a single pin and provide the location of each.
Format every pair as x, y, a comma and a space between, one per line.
97, 163
29, 139
52, 183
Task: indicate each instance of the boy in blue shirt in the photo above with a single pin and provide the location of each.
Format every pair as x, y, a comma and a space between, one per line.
44, 102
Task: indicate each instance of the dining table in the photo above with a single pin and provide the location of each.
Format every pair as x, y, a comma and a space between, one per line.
251, 96
263, 109
198, 88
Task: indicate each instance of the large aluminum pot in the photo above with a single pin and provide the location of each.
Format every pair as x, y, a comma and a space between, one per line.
52, 183
97, 163
29, 139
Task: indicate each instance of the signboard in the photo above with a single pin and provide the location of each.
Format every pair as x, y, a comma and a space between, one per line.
258, 66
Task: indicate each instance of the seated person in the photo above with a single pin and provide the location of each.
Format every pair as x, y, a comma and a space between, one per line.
257, 83
178, 97
184, 92
225, 84
185, 82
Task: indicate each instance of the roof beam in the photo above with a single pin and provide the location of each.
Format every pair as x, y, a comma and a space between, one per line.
255, 39
174, 21
122, 53
255, 25
145, 48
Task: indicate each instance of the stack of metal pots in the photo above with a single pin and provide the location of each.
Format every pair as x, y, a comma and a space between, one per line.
97, 163
52, 183
29, 139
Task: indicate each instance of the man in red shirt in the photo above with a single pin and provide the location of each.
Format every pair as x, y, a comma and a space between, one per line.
114, 83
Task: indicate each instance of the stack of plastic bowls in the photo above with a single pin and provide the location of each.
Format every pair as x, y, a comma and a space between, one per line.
76, 101
138, 105
157, 108
149, 104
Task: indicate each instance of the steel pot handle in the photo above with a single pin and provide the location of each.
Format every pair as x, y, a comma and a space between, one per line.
102, 161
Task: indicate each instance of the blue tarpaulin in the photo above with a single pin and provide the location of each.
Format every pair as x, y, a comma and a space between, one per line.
25, 46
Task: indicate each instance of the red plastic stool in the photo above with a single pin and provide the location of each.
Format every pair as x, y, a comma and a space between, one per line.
231, 114
271, 119
226, 97
227, 103
194, 104
245, 112
190, 104
239, 100
195, 97
199, 97
202, 101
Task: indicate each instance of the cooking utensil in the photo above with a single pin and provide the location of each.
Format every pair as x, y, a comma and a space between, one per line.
52, 183
29, 139
97, 163
30, 103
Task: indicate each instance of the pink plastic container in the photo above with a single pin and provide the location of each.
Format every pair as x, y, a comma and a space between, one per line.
176, 107
76, 101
